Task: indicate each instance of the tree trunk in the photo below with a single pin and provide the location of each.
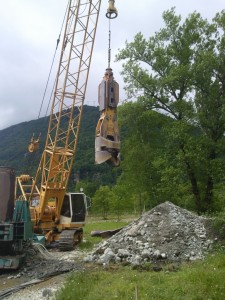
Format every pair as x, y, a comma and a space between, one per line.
209, 192
194, 184
210, 184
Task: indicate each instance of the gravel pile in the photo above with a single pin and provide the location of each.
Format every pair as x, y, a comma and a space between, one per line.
167, 232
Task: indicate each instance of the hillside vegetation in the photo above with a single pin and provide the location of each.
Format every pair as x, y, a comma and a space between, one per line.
14, 141
153, 169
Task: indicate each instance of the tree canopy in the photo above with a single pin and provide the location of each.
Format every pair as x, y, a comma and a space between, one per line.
180, 72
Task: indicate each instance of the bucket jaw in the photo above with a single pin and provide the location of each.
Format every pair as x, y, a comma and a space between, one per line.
107, 151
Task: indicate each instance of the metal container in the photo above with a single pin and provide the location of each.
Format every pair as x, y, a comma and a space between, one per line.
7, 190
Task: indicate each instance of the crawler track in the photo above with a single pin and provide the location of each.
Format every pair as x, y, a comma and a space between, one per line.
69, 239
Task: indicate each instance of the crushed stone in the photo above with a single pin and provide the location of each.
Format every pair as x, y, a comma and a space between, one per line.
167, 232
55, 266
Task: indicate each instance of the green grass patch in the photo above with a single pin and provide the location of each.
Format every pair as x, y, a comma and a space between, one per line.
98, 224
190, 281
219, 224
196, 280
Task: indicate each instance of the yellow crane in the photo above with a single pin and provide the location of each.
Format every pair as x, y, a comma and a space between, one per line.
57, 214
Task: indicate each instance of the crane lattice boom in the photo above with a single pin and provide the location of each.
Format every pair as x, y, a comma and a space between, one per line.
70, 88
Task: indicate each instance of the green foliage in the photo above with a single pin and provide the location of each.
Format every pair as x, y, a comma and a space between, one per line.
199, 280
151, 170
15, 139
120, 204
219, 224
95, 223
88, 187
180, 71
101, 202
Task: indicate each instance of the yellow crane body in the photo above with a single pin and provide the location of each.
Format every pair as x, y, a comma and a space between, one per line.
55, 213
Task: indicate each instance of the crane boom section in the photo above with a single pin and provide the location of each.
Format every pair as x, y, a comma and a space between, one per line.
69, 94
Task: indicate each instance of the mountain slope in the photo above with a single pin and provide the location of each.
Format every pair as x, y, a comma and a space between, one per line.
14, 141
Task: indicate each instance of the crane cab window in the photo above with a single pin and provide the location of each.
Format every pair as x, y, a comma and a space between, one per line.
65, 210
78, 203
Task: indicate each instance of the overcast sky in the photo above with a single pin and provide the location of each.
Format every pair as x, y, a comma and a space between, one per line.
28, 33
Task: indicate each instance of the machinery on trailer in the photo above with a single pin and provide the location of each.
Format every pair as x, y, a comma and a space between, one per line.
15, 223
60, 216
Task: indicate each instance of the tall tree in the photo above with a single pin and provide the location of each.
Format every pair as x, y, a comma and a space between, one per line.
101, 202
151, 170
180, 72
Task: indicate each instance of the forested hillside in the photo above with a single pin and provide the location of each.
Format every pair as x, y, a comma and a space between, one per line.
14, 141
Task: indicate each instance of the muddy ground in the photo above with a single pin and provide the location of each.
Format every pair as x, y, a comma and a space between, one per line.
49, 269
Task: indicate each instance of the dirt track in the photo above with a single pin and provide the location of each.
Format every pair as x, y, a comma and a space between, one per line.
50, 269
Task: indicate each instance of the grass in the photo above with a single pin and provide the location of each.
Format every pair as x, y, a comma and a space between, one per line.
99, 224
191, 281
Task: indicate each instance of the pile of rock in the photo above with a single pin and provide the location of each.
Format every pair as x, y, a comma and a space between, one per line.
167, 232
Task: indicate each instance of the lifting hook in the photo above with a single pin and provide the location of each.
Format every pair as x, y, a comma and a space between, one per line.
34, 144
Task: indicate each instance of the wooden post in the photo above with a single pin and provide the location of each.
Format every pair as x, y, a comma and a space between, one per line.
136, 292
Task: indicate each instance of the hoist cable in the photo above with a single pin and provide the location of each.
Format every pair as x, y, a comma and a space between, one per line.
32, 143
48, 78
49, 101
109, 49
57, 43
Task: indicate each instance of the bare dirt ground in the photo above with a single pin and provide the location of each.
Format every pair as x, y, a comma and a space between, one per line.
43, 290
49, 268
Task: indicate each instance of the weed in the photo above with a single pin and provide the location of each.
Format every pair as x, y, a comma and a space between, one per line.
194, 280
198, 280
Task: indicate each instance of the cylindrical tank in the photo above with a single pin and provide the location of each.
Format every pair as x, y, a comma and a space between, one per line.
7, 190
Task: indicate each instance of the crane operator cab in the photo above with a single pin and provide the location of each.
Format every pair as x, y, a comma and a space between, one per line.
72, 218
74, 208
